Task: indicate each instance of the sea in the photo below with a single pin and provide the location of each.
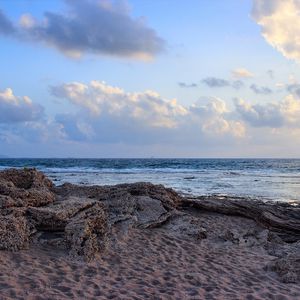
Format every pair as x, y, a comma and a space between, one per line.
264, 179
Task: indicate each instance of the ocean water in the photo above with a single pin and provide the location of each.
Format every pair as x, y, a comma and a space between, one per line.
266, 179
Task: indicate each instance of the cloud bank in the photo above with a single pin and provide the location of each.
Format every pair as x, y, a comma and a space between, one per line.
108, 116
98, 27
280, 25
108, 113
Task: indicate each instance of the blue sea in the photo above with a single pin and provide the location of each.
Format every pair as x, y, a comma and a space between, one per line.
266, 179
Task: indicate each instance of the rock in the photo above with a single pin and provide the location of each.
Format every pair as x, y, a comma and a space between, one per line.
279, 218
250, 237
14, 233
202, 233
86, 233
168, 197
6, 202
26, 178
287, 267
23, 188
55, 216
148, 210
187, 226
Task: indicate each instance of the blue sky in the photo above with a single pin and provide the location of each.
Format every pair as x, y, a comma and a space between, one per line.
149, 78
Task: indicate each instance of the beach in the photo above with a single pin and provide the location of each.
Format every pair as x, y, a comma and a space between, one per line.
150, 150
142, 241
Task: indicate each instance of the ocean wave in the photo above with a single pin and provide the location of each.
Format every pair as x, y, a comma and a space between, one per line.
119, 171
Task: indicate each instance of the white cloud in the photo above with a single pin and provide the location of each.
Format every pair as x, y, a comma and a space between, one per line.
99, 98
214, 119
280, 24
141, 114
27, 21
242, 73
285, 113
18, 109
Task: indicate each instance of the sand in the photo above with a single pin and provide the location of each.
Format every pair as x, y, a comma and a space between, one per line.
148, 264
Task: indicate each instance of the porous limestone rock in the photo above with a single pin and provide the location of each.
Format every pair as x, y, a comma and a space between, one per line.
86, 233
26, 187
54, 217
14, 233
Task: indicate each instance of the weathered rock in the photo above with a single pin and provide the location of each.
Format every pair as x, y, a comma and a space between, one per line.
168, 197
14, 233
279, 218
250, 237
148, 209
187, 226
86, 232
26, 178
55, 216
22, 188
287, 267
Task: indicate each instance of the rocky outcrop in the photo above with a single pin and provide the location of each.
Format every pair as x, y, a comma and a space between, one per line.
86, 221
23, 188
280, 218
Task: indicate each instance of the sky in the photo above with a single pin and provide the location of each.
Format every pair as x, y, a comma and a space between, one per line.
142, 78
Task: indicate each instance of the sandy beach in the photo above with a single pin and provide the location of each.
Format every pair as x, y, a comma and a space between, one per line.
150, 149
141, 241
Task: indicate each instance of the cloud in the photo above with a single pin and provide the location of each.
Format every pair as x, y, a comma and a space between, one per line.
6, 26
214, 118
270, 73
237, 84
285, 113
98, 27
215, 82
294, 88
99, 98
108, 113
280, 25
187, 85
14, 109
263, 90
108, 117
242, 73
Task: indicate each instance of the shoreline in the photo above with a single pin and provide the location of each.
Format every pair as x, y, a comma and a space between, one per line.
139, 241
274, 180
